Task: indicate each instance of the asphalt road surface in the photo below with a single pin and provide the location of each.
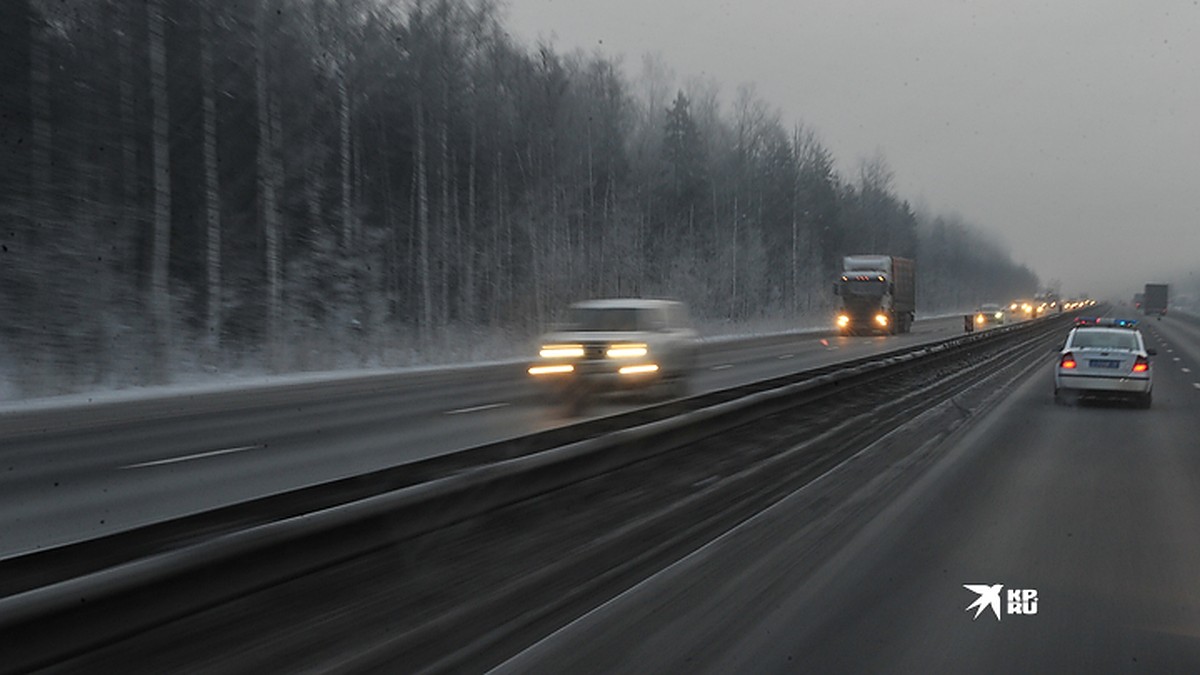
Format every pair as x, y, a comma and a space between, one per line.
1096, 508
82, 472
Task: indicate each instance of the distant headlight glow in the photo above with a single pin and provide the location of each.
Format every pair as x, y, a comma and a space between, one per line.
634, 370
843, 321
881, 319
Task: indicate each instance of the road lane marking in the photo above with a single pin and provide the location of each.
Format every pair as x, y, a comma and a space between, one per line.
188, 458
475, 408
1186, 370
723, 366
1196, 385
1176, 358
786, 356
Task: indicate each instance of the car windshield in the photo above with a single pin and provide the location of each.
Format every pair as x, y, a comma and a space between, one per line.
610, 319
1095, 339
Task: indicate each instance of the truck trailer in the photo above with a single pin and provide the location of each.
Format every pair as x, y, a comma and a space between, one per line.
877, 295
1154, 299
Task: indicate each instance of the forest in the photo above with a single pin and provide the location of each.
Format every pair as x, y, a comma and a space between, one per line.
198, 186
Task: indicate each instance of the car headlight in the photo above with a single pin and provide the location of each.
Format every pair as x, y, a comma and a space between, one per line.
979, 318
999, 315
628, 351
561, 352
843, 321
881, 319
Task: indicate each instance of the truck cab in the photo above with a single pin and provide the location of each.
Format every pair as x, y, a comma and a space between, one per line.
877, 295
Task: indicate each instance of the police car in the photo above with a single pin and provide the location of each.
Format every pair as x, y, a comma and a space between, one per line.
1104, 358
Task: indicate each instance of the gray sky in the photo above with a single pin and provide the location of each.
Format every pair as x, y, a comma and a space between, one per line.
1071, 130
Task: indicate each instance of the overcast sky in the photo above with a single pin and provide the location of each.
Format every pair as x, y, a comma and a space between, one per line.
1071, 130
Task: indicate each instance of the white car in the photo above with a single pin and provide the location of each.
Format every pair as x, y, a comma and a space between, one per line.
617, 345
1104, 358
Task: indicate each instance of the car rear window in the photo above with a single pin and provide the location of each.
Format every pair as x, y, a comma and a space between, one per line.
1096, 339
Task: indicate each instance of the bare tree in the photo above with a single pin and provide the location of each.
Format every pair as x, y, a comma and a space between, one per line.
212, 189
160, 299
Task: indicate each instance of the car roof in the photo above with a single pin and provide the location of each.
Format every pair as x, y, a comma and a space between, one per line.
624, 303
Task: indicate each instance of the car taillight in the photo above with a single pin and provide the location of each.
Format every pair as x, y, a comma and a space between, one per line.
1141, 365
1068, 361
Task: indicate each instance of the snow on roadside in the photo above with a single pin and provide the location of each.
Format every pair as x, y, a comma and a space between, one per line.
204, 382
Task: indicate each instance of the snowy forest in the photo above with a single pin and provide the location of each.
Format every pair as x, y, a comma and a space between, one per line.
286, 185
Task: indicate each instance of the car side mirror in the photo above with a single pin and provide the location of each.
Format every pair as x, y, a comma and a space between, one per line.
1151, 351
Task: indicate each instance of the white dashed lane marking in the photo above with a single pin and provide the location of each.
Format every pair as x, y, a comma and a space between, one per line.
476, 408
1186, 370
1196, 385
1176, 358
786, 356
188, 458
723, 366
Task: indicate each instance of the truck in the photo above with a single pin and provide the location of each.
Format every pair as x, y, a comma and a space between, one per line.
1154, 299
877, 295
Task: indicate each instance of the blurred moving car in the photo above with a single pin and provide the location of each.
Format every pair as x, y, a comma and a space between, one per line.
617, 345
1104, 358
989, 314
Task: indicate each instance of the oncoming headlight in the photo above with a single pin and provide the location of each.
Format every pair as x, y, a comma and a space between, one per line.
843, 321
626, 351
561, 351
881, 319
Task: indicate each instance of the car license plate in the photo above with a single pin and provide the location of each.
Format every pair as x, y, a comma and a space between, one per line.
1103, 363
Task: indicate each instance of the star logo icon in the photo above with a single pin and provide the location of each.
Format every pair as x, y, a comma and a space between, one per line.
989, 597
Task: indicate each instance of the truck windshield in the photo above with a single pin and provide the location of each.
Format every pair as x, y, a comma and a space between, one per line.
872, 287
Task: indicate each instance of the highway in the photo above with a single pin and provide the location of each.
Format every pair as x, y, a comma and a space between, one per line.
72, 474
1096, 508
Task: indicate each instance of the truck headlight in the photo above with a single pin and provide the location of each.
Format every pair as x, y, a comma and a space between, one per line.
881, 319
561, 352
843, 321
628, 351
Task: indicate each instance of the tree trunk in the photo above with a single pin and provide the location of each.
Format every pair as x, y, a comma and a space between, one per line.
423, 225
443, 225
344, 156
39, 95
468, 294
159, 292
212, 190
267, 173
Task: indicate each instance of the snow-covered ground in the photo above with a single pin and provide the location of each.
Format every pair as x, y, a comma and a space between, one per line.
476, 349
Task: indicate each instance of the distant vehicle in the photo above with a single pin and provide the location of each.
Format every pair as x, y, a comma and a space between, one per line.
618, 345
1104, 358
1024, 309
1155, 300
989, 314
877, 293
1137, 300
